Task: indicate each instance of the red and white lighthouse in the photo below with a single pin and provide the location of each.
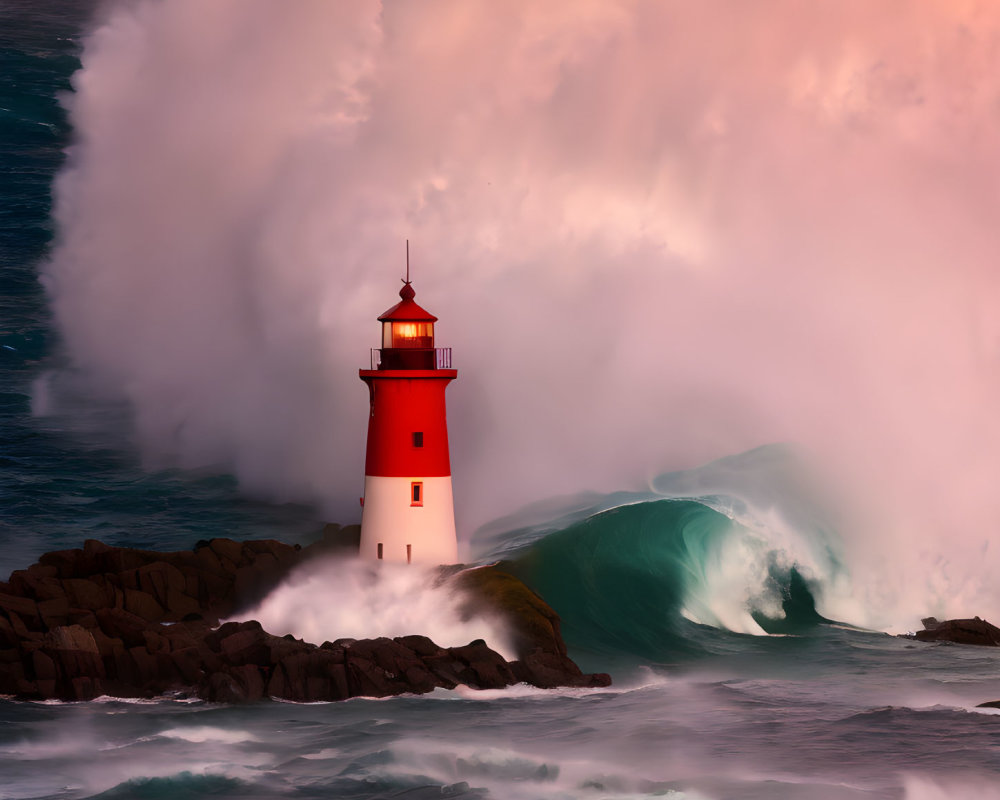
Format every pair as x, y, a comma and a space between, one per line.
408, 512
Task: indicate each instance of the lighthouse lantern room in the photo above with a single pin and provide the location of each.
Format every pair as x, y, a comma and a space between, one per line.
407, 508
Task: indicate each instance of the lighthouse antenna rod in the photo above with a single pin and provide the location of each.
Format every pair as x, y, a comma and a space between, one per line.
407, 261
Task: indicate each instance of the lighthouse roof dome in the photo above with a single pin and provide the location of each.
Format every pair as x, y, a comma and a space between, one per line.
406, 310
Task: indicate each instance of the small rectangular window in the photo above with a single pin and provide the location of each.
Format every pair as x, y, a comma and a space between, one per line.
409, 554
418, 438
417, 493
380, 550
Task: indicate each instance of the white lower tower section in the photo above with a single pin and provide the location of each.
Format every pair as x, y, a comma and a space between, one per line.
399, 525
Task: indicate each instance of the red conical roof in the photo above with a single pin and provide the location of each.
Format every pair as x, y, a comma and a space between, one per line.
406, 310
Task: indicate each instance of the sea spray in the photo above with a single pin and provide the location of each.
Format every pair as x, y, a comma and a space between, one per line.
350, 598
656, 239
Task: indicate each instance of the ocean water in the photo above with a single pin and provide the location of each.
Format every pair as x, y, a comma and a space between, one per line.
697, 597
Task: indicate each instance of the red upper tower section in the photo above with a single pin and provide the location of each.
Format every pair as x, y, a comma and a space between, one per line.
407, 428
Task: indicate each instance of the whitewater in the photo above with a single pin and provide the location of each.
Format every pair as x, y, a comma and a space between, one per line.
776, 469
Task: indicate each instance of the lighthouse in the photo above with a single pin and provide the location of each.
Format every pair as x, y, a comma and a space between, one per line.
408, 513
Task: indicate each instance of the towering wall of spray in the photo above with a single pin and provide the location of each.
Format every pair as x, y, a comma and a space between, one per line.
658, 233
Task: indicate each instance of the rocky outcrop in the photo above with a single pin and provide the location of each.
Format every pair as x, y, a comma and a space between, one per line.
961, 631
542, 659
133, 623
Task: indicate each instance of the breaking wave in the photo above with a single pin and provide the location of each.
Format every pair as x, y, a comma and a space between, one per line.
646, 574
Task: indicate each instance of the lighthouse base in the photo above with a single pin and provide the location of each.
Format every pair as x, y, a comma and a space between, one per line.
409, 520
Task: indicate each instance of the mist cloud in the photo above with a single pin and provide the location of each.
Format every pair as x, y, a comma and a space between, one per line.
655, 234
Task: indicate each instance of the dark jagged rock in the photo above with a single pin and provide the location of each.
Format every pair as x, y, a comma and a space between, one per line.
135, 623
961, 631
541, 653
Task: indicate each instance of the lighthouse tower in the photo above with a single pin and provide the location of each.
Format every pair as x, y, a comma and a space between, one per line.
407, 509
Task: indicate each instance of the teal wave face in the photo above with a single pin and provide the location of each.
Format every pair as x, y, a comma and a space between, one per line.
656, 580
618, 579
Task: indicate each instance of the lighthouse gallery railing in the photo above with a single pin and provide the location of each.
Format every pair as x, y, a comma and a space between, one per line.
442, 356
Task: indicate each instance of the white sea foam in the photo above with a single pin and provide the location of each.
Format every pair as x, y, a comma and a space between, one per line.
735, 576
322, 755
350, 598
206, 733
147, 701
524, 690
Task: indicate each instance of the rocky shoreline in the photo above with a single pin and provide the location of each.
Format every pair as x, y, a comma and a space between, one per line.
974, 631
104, 620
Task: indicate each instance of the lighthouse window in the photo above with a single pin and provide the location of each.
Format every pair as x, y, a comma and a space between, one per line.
380, 550
417, 493
418, 438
